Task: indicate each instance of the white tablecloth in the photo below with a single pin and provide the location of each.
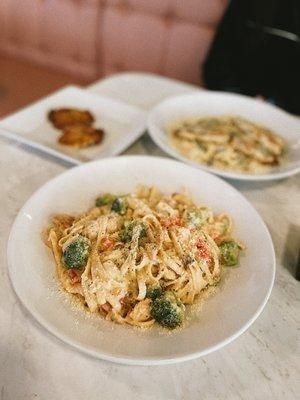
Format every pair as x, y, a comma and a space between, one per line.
262, 364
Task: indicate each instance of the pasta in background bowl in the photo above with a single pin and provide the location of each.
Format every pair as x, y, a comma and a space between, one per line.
230, 135
224, 315
228, 143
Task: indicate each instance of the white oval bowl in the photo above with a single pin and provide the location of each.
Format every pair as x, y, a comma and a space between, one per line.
208, 103
224, 316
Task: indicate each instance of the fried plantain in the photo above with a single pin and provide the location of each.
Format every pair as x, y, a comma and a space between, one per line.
64, 117
81, 136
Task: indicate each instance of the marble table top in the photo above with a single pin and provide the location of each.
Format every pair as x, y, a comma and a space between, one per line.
264, 363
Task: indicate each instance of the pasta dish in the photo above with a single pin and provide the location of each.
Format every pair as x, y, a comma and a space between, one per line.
142, 257
227, 142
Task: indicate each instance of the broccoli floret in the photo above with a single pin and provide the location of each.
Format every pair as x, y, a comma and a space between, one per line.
168, 310
105, 199
196, 217
154, 292
229, 253
126, 235
75, 255
119, 206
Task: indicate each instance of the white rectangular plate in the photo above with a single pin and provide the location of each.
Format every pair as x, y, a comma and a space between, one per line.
122, 123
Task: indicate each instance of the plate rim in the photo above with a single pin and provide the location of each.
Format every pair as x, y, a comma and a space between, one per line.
153, 129
50, 328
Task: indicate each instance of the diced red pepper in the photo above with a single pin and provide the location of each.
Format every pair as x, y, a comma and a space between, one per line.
107, 244
106, 307
203, 251
171, 222
74, 276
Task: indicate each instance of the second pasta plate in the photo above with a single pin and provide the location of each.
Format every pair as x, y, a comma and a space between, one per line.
230, 135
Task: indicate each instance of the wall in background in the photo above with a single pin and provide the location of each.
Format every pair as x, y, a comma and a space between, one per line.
89, 39
22, 83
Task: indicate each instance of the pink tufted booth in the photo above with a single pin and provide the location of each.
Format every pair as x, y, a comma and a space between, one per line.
94, 38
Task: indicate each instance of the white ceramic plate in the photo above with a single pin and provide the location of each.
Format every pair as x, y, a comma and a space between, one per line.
122, 123
225, 315
207, 103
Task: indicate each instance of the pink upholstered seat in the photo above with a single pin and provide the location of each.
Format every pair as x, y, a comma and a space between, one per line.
92, 38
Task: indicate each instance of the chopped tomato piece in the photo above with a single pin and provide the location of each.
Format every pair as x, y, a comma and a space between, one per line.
201, 243
107, 244
106, 307
203, 251
171, 222
74, 276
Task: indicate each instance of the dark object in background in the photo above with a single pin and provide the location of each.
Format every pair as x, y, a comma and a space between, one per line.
256, 51
298, 268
